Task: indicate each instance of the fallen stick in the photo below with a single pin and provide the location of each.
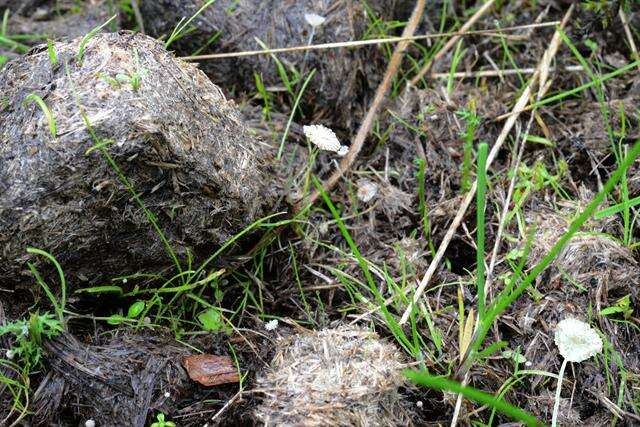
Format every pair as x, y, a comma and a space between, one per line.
541, 73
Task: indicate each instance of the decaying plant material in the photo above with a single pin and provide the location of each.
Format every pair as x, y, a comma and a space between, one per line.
342, 76
344, 377
118, 381
177, 140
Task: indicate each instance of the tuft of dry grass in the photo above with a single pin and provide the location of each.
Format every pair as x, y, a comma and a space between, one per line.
343, 377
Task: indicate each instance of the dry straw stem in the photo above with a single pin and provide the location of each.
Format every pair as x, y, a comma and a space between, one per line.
627, 31
381, 93
541, 74
497, 32
452, 42
501, 73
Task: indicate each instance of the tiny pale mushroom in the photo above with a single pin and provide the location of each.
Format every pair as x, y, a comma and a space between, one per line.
367, 190
314, 19
325, 139
577, 342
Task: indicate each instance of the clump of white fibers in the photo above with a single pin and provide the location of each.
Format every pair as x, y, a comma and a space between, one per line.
325, 139
342, 377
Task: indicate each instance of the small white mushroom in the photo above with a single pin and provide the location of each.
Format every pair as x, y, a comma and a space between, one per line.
314, 19
577, 342
325, 139
271, 325
367, 190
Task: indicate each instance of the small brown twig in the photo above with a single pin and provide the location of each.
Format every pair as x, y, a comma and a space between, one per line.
442, 52
367, 123
542, 71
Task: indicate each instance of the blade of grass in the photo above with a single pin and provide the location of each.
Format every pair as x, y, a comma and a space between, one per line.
443, 384
483, 150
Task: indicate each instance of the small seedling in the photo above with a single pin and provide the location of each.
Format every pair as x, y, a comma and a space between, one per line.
53, 55
86, 39
33, 98
28, 338
161, 422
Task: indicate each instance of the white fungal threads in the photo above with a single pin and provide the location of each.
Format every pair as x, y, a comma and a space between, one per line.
577, 342
89, 423
10, 354
325, 139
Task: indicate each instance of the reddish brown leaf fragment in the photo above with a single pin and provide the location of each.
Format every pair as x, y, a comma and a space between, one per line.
210, 370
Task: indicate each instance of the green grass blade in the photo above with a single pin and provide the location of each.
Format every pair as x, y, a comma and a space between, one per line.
91, 34
182, 25
481, 191
443, 384
293, 112
59, 308
612, 210
35, 99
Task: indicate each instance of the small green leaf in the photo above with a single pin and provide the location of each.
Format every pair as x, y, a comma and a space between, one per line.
211, 319
115, 319
135, 309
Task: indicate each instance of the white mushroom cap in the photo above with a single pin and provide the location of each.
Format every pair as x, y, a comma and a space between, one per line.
314, 19
324, 138
576, 340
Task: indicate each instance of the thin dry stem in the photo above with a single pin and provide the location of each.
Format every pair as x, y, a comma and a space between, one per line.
359, 43
499, 73
627, 32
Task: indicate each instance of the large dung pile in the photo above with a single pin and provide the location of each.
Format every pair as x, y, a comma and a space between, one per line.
342, 76
177, 140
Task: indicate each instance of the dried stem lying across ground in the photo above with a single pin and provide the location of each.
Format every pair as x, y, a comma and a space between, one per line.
497, 32
542, 71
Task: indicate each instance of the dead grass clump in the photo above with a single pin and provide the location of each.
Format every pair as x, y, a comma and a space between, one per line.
342, 75
181, 145
588, 259
342, 377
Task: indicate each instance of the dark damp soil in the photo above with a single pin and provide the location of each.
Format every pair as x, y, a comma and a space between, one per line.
117, 370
